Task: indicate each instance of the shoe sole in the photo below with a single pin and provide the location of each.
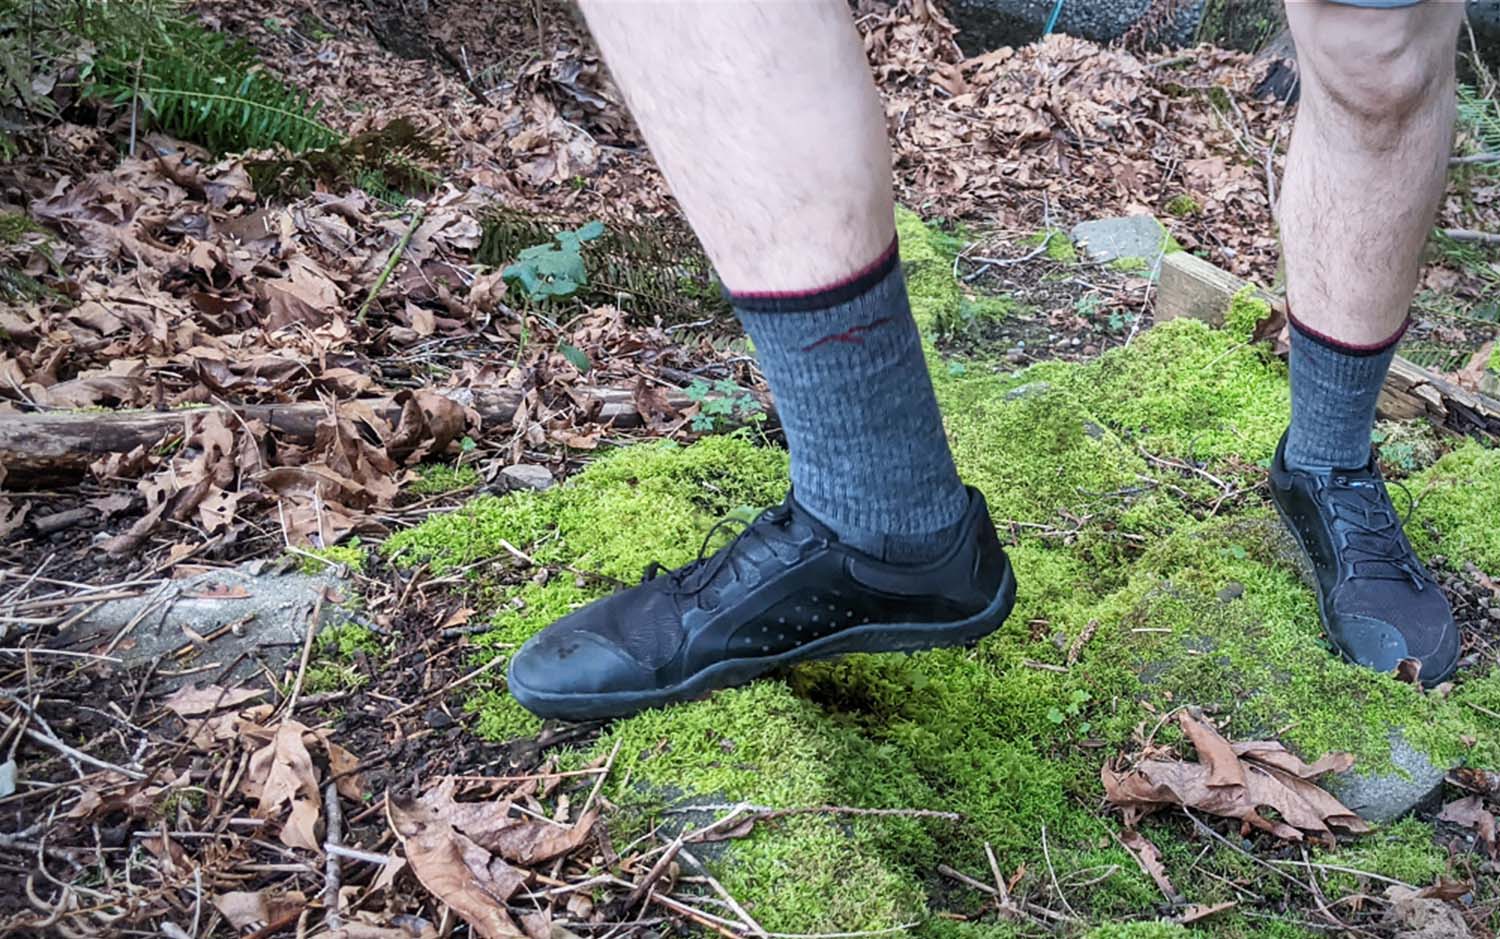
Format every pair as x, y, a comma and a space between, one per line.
875, 637
1309, 575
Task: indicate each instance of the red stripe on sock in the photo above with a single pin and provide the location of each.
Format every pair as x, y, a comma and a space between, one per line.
1353, 348
884, 260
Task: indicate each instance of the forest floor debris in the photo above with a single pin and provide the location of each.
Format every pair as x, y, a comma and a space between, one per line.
337, 780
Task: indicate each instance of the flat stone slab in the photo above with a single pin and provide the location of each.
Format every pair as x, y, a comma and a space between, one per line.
1415, 783
1130, 236
233, 617
527, 476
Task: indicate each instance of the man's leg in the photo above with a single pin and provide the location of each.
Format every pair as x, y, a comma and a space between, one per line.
1364, 176
764, 119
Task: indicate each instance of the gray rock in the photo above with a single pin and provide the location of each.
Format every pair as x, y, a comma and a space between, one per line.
527, 476
1110, 239
1414, 783
267, 613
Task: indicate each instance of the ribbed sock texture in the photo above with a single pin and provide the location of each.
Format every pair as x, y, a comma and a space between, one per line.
869, 457
1334, 392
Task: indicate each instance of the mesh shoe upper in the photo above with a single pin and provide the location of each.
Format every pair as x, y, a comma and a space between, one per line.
784, 588
1379, 604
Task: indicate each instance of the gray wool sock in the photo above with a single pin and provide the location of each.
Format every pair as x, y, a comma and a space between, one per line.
869, 456
1334, 390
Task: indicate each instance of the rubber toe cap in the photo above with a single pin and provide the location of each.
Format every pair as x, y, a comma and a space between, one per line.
557, 668
1380, 646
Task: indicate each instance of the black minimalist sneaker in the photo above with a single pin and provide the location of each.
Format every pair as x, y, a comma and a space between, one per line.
1378, 603
783, 591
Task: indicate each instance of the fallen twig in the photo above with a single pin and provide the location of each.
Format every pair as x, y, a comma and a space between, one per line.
69, 752
332, 873
457, 682
307, 644
1035, 909
740, 911
1470, 236
390, 264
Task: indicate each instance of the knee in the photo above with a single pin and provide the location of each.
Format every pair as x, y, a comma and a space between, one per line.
1381, 70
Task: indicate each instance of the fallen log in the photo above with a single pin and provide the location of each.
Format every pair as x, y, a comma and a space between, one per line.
1192, 287
48, 446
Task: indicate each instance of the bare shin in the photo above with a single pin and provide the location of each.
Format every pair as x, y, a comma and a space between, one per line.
766, 122
1368, 161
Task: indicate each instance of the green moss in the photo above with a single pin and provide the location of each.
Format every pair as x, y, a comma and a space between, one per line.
1182, 205
1134, 599
1402, 851
437, 478
1130, 265
352, 555
1455, 510
1059, 245
337, 649
1138, 931
1246, 311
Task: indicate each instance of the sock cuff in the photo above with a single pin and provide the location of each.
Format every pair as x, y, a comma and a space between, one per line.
818, 298
1348, 348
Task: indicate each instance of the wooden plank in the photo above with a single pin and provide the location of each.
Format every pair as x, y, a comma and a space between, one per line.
1192, 287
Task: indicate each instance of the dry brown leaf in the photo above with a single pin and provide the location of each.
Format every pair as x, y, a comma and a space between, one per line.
1149, 858
12, 516
523, 840
1200, 911
1419, 917
1263, 774
1471, 813
197, 700
455, 870
344, 765
282, 780
1472, 375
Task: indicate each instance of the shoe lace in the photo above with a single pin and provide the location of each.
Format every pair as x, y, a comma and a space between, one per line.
691, 579
1372, 531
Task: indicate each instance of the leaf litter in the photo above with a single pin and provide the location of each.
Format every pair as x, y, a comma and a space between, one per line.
256, 283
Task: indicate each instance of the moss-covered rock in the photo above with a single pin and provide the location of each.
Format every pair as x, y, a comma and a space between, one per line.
1140, 590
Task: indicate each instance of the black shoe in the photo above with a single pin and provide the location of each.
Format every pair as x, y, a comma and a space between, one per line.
784, 591
1378, 603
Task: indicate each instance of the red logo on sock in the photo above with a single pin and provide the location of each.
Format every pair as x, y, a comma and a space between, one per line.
851, 337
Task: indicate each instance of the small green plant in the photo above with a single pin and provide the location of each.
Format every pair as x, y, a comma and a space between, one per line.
723, 404
1405, 447
555, 268
1088, 305
434, 479
200, 86
317, 560
1183, 205
1070, 709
